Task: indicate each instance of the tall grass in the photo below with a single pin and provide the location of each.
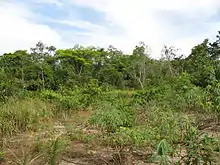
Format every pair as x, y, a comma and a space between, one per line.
22, 115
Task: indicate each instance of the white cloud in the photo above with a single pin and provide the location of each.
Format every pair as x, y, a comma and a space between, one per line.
16, 32
80, 24
55, 2
137, 20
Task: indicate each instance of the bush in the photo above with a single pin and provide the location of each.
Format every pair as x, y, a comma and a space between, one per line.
9, 88
64, 101
178, 94
111, 117
214, 92
137, 136
151, 93
77, 99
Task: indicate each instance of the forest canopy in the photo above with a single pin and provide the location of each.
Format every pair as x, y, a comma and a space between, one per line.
47, 67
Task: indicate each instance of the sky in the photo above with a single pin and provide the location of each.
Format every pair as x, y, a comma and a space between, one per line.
121, 23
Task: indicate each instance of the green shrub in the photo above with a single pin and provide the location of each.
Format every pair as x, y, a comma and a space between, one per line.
137, 136
178, 94
47, 94
214, 92
72, 101
151, 93
54, 149
9, 88
111, 117
163, 149
199, 147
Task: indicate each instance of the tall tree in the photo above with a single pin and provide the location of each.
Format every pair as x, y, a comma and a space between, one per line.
169, 54
215, 55
139, 63
42, 59
200, 65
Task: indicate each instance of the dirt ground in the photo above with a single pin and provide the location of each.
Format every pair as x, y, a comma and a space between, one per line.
78, 152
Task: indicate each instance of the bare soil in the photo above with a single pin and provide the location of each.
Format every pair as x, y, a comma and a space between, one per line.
77, 152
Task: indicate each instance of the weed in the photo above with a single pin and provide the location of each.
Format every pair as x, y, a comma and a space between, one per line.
111, 117
22, 115
26, 158
163, 149
2, 155
54, 148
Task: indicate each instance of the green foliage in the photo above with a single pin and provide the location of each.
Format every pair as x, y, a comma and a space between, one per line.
65, 102
163, 149
22, 115
55, 148
52, 149
199, 147
156, 125
134, 100
177, 93
136, 136
2, 155
79, 98
8, 89
214, 92
111, 117
8, 86
200, 65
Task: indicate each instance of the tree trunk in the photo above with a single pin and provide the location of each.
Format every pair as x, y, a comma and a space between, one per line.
141, 84
42, 77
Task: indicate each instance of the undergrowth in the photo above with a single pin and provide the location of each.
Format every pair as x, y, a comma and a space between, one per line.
163, 118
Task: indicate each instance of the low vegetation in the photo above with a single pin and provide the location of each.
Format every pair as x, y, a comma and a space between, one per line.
96, 106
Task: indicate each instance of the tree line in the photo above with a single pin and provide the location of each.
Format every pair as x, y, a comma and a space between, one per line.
46, 67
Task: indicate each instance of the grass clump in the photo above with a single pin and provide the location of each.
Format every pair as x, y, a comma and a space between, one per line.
110, 117
23, 115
